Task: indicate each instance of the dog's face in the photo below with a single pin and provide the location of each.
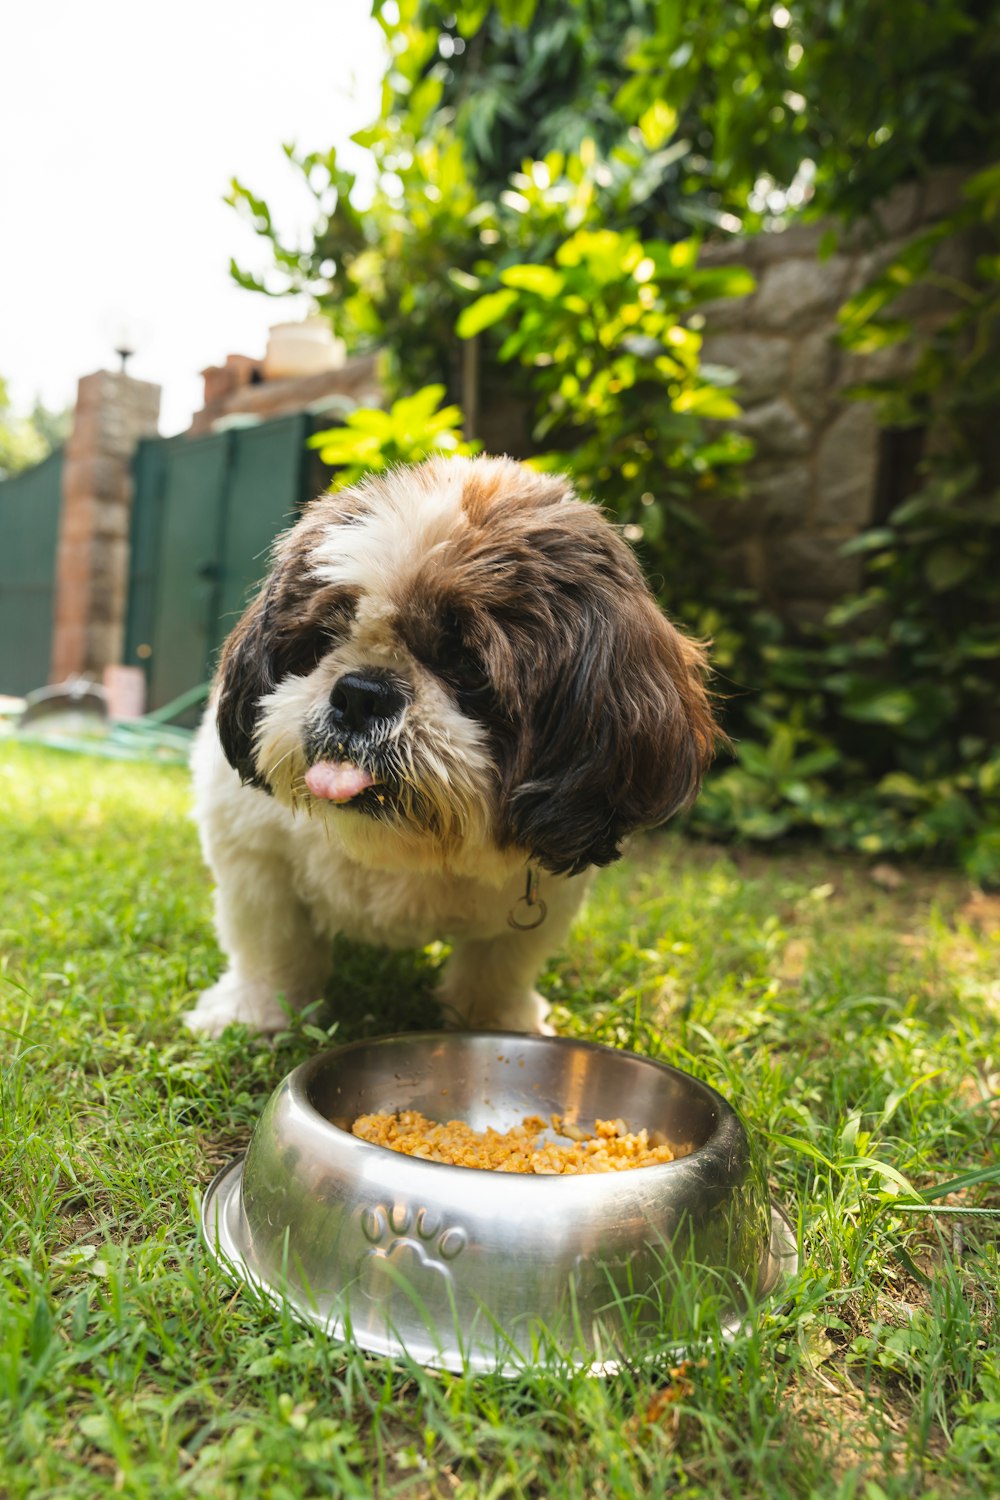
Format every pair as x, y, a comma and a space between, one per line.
459, 663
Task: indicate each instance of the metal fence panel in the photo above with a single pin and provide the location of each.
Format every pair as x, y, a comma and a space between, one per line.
206, 512
264, 497
183, 635
29, 534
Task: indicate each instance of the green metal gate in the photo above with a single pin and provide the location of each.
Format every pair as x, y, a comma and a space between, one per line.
29, 535
205, 514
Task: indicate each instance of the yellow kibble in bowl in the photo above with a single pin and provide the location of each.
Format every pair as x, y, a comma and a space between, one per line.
610, 1147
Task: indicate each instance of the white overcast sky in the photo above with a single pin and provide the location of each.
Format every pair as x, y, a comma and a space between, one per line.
121, 124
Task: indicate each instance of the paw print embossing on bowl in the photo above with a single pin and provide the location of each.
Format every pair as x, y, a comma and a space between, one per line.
408, 1249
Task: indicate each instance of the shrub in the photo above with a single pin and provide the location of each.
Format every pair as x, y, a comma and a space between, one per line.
571, 280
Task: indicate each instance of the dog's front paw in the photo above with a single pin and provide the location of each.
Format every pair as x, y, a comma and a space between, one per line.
526, 1013
236, 1001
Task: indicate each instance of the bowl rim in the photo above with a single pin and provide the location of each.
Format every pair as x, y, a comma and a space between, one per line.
728, 1118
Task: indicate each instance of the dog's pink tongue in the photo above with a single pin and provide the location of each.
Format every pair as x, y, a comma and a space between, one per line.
337, 781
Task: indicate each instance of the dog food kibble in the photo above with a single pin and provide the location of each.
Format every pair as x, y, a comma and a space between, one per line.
610, 1147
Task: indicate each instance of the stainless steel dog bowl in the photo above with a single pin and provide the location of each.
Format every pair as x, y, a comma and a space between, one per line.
468, 1269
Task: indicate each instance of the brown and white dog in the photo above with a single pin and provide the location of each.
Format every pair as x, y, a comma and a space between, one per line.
454, 677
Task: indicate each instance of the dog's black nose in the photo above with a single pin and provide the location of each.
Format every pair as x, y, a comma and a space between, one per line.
360, 699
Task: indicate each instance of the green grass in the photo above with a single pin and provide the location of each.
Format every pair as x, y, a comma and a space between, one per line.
855, 1028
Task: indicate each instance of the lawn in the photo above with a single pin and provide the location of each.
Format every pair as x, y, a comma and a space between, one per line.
854, 1025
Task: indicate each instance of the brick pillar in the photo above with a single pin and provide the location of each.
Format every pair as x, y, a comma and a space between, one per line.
113, 412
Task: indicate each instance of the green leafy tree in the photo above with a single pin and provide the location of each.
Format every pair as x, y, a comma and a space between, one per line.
604, 329
543, 173
731, 98
25, 441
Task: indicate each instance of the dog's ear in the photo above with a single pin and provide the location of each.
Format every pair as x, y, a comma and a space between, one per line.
282, 632
620, 739
246, 674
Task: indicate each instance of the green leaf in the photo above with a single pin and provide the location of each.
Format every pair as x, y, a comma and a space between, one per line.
657, 124
371, 420
869, 541
765, 825
756, 760
484, 312
412, 411
517, 12
988, 267
898, 785
870, 337
817, 761
946, 567
891, 706
544, 281
883, 1170
731, 281
339, 443
985, 184
959, 1184
707, 401
801, 1147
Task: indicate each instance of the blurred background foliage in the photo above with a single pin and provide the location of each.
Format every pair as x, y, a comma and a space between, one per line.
371, 440
545, 171
25, 441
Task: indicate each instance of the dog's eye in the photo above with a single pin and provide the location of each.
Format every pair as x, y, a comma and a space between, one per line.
462, 668
338, 610
467, 673
342, 604
458, 663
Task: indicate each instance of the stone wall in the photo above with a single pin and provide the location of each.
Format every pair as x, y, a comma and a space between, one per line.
822, 467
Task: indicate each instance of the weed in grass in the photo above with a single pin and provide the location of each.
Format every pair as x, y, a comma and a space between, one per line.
854, 1027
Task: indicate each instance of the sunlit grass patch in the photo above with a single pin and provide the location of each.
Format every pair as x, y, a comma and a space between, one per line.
854, 1027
